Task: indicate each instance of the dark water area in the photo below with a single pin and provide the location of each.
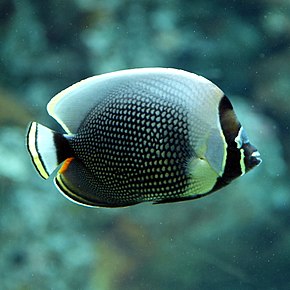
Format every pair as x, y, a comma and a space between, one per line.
236, 238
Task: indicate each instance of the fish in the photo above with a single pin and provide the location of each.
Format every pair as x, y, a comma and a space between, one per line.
156, 135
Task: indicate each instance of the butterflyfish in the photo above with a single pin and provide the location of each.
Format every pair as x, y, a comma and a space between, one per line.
150, 134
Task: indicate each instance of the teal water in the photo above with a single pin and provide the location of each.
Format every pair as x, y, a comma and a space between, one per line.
236, 238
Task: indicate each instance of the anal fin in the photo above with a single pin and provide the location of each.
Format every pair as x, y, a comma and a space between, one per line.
76, 183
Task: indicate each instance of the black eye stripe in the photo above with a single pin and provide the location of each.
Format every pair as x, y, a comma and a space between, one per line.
230, 127
225, 104
229, 122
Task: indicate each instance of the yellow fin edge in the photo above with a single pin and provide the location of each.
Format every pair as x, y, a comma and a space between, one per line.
32, 148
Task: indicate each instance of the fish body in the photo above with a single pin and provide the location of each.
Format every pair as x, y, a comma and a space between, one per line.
152, 134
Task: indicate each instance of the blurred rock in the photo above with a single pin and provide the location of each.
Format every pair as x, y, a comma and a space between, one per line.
13, 111
13, 156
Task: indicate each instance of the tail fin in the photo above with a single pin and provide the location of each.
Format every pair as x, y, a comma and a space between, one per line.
47, 148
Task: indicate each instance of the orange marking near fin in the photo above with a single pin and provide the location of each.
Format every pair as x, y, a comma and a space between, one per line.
65, 165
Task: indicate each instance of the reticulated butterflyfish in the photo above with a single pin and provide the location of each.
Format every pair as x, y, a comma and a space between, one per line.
151, 134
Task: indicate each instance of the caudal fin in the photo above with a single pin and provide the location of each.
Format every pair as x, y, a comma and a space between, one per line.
47, 148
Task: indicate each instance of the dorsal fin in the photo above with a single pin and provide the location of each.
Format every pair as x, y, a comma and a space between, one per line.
71, 106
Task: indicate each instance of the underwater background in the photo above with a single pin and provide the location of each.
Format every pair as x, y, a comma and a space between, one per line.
236, 238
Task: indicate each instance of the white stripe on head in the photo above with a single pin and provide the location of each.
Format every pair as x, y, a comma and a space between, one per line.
241, 138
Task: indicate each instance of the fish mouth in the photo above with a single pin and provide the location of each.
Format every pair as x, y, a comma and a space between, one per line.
252, 156
256, 158
253, 160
